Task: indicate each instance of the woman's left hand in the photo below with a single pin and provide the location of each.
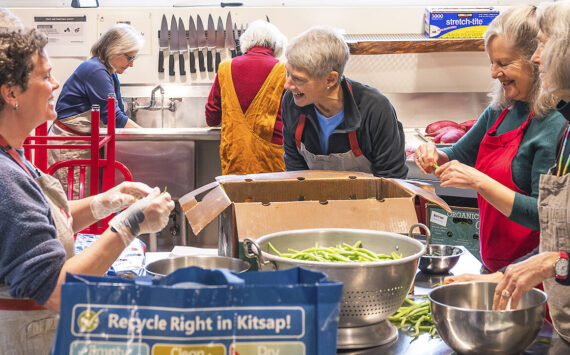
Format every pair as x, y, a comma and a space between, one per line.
118, 198
457, 174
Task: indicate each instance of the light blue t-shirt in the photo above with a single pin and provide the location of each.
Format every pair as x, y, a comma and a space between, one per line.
328, 124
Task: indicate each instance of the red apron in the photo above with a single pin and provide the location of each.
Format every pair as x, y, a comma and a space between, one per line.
502, 240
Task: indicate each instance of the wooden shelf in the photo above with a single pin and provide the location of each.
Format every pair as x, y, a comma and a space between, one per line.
390, 44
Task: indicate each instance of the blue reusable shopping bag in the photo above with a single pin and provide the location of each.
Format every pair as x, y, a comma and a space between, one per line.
197, 311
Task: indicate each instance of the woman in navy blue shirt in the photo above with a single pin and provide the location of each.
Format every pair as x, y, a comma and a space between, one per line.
89, 85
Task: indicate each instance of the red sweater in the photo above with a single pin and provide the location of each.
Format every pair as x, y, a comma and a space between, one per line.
249, 72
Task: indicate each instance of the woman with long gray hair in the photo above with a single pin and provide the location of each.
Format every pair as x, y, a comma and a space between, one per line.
91, 83
508, 148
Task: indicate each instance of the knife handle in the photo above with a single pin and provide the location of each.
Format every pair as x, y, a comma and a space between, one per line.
224, 4
218, 60
210, 61
181, 63
234, 53
201, 60
192, 62
160, 61
171, 64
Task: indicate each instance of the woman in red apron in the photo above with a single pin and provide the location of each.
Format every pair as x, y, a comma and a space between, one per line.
37, 223
549, 264
505, 152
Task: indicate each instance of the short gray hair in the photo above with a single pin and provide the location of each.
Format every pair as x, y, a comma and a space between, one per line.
319, 50
554, 21
519, 26
9, 22
261, 33
119, 38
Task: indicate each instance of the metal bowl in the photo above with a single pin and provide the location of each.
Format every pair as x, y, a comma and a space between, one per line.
163, 267
443, 258
464, 318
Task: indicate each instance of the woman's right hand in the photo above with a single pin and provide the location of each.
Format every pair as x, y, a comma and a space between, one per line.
426, 157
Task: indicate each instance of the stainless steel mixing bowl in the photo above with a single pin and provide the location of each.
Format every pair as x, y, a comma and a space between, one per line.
464, 318
439, 258
163, 267
372, 291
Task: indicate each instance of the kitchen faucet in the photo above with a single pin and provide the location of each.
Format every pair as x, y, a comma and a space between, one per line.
152, 106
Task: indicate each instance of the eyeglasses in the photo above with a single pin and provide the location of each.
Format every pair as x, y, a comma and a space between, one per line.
130, 58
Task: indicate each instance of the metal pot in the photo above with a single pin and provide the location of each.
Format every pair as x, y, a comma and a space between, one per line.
163, 267
372, 291
464, 318
447, 258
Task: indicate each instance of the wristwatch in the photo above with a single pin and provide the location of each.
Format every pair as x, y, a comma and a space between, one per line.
561, 267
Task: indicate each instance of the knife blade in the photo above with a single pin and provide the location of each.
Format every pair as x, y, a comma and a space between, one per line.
182, 45
201, 42
230, 42
211, 42
236, 39
193, 42
173, 45
220, 41
241, 31
162, 43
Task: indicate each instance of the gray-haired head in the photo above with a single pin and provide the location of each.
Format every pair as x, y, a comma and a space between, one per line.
9, 22
119, 38
554, 21
319, 51
261, 33
519, 26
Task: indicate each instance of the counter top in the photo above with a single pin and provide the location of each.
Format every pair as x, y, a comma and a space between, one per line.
166, 134
546, 341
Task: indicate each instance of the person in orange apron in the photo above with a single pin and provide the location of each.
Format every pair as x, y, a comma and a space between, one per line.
246, 100
549, 264
334, 123
505, 152
37, 224
90, 84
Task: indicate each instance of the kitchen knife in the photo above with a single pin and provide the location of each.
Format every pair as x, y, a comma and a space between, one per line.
182, 45
236, 39
173, 45
211, 42
201, 43
230, 42
162, 43
220, 41
193, 42
241, 31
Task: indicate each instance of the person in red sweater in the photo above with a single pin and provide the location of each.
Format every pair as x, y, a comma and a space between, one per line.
246, 100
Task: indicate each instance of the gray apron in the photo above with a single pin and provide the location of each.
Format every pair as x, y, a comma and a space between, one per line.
80, 123
31, 331
353, 160
553, 205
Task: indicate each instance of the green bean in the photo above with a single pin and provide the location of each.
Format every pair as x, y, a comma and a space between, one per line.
415, 318
344, 253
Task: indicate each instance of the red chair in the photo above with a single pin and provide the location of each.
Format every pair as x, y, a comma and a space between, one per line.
95, 143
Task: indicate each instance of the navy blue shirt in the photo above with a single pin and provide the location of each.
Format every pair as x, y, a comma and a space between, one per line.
90, 84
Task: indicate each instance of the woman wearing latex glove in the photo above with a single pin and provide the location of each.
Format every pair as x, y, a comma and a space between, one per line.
502, 156
38, 223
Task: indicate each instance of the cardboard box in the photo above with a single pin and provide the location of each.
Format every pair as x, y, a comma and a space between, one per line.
460, 226
251, 206
458, 22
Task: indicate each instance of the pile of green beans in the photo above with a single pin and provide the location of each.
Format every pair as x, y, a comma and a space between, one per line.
344, 253
415, 318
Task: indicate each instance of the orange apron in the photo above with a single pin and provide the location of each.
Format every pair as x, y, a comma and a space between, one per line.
245, 145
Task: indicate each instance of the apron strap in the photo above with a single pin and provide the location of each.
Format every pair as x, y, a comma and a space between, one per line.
68, 129
299, 130
354, 144
19, 304
12, 153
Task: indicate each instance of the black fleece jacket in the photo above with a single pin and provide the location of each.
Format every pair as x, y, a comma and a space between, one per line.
379, 133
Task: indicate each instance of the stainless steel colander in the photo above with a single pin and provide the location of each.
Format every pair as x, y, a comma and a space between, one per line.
372, 291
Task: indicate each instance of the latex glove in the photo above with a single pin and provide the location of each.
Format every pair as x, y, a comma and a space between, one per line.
460, 175
118, 198
147, 215
494, 277
425, 157
522, 277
